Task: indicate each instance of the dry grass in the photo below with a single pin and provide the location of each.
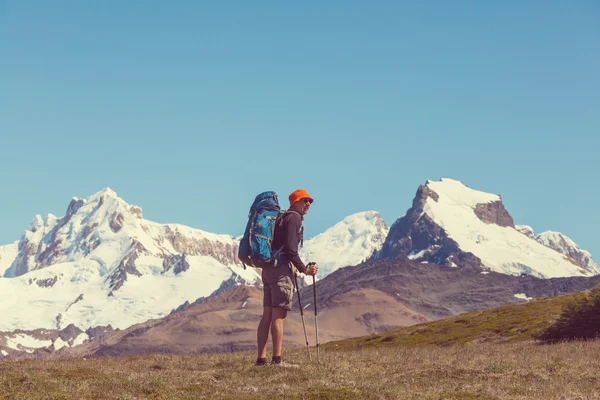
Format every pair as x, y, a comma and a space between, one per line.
477, 371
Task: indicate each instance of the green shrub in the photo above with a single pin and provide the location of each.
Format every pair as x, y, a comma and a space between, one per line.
580, 319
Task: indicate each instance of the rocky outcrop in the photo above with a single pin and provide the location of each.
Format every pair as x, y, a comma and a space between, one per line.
116, 222
69, 333
38, 246
494, 213
417, 236
77, 300
126, 267
177, 263
99, 332
137, 211
49, 282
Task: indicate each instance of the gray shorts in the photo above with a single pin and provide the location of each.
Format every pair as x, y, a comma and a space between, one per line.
278, 287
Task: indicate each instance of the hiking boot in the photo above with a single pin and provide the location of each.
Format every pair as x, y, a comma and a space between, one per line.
261, 361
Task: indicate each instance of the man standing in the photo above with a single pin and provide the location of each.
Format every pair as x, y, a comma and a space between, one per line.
278, 282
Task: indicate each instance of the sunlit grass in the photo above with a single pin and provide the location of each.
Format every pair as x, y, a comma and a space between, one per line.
478, 371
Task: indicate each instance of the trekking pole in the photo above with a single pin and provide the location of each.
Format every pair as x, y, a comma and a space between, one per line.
316, 321
302, 316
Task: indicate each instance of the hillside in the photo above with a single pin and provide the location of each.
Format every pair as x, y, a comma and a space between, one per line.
504, 324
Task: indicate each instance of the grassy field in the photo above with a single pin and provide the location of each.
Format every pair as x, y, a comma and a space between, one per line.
480, 355
477, 371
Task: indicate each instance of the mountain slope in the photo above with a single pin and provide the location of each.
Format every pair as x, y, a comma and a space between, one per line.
223, 323
508, 323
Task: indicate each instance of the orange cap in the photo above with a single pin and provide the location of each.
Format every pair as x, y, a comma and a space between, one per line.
298, 195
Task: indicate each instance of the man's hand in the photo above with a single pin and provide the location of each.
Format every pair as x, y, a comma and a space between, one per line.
311, 269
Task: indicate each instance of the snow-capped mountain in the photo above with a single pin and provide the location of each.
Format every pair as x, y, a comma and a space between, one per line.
565, 245
349, 242
454, 225
103, 263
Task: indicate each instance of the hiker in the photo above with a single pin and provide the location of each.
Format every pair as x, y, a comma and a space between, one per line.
278, 282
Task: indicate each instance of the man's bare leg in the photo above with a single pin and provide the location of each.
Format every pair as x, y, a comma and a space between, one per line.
278, 316
262, 334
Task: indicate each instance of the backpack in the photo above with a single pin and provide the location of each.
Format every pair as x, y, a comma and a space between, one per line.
255, 247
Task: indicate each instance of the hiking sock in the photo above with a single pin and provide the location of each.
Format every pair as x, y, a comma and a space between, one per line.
261, 361
276, 360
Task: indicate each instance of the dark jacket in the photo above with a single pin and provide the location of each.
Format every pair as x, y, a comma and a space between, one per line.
288, 234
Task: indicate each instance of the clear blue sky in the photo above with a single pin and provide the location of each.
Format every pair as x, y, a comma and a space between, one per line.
358, 102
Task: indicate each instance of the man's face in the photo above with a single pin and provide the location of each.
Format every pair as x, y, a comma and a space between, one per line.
302, 206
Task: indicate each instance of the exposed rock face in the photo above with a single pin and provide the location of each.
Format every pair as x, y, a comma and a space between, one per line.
494, 213
416, 233
137, 211
46, 282
116, 222
99, 332
31, 245
126, 267
69, 333
177, 263
78, 299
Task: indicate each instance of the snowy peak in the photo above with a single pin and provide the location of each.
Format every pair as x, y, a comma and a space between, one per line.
456, 198
86, 224
451, 224
103, 227
460, 193
102, 263
565, 245
349, 242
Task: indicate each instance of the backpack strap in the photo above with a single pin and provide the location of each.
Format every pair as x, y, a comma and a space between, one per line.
300, 231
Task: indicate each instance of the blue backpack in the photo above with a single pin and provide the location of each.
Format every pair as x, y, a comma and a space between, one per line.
255, 248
